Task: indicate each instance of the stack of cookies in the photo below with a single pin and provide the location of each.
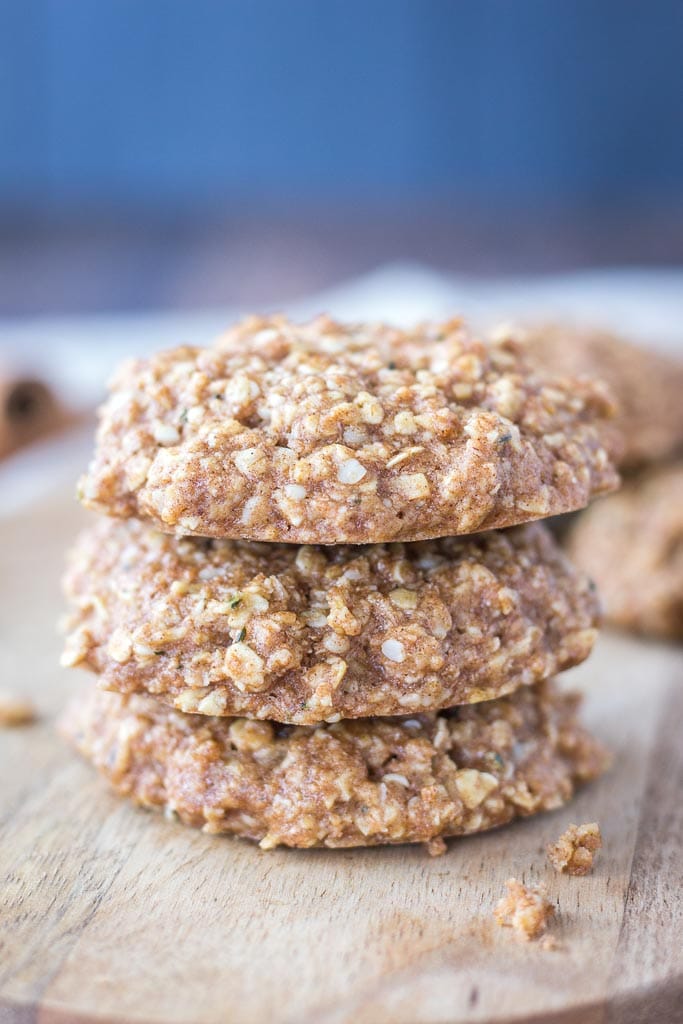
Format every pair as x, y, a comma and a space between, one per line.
315, 611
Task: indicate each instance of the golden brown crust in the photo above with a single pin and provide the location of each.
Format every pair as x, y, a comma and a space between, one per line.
647, 386
573, 853
632, 545
365, 782
328, 434
302, 634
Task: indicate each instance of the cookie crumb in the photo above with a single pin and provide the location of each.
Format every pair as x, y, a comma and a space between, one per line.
15, 710
574, 851
526, 909
436, 847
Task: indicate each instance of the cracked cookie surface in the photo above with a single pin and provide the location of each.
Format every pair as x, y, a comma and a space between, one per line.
324, 433
305, 634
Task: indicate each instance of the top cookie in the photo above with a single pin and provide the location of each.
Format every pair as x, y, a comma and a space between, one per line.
324, 433
647, 387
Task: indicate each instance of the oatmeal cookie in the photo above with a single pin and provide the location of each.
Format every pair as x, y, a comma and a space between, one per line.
306, 634
327, 434
356, 783
632, 545
647, 386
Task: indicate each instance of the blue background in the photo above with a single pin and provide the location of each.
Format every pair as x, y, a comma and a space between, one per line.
183, 104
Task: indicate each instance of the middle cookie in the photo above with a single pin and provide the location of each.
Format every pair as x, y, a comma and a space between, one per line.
310, 634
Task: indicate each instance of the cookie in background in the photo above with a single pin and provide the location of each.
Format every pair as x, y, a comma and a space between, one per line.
29, 410
633, 546
632, 543
647, 386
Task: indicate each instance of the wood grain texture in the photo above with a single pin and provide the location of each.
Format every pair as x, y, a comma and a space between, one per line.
109, 913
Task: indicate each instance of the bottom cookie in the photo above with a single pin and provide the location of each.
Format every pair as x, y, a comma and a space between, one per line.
355, 783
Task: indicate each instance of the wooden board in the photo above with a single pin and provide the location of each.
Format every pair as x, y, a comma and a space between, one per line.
109, 913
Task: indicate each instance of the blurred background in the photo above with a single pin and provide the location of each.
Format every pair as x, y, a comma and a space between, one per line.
167, 165
172, 154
